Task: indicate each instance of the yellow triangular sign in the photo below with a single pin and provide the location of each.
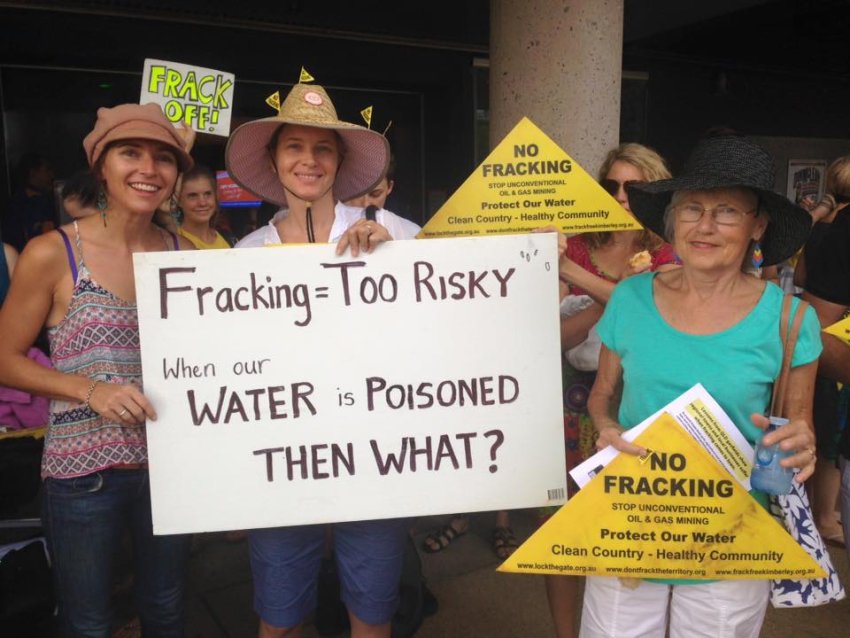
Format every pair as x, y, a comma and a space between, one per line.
366, 114
274, 100
840, 330
305, 77
528, 182
679, 514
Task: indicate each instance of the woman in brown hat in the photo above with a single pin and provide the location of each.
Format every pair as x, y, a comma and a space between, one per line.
308, 161
78, 282
708, 322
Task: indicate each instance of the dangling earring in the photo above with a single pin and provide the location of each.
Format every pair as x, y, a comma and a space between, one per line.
176, 211
102, 203
758, 256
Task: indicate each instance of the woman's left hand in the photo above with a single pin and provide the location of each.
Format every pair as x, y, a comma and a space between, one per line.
365, 235
796, 436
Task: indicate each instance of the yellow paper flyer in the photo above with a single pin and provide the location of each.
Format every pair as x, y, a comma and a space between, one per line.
704, 419
528, 182
678, 514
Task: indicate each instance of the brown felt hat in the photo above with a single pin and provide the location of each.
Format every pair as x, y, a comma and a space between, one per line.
367, 152
134, 122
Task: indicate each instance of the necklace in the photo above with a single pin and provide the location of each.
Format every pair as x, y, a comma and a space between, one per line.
311, 235
602, 273
307, 228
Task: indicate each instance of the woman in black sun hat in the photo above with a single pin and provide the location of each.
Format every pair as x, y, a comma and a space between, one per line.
708, 322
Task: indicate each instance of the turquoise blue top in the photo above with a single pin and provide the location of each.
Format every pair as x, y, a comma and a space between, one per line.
737, 365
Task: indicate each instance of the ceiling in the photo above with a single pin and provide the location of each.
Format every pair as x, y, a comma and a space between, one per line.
782, 36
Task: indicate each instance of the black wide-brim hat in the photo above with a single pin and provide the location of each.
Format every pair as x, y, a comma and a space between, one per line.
729, 162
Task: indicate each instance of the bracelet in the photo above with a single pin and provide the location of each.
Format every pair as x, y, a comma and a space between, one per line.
90, 392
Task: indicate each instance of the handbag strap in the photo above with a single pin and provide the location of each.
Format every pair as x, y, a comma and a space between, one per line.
788, 336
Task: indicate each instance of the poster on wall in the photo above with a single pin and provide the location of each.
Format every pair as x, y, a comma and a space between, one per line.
805, 179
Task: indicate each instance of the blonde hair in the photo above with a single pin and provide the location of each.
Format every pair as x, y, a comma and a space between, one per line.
646, 160
838, 178
653, 168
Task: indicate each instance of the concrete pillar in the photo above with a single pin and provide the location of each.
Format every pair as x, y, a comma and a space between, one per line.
559, 62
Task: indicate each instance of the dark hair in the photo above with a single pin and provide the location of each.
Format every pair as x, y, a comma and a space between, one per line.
198, 171
390, 174
27, 163
83, 187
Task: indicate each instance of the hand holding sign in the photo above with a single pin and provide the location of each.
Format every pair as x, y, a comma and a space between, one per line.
678, 514
448, 389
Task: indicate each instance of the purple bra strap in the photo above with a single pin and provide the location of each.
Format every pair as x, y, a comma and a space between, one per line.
175, 240
70, 252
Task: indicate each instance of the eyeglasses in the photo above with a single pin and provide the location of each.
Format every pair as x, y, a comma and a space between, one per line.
722, 214
612, 186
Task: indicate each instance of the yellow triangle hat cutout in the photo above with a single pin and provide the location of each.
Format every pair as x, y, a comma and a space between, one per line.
304, 77
366, 114
528, 182
679, 514
274, 100
840, 330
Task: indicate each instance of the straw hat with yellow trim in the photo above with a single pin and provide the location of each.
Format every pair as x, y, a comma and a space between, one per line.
249, 161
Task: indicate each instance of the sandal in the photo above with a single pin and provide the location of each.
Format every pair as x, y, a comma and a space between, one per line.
442, 538
504, 542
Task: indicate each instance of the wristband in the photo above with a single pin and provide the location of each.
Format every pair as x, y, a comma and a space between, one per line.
90, 392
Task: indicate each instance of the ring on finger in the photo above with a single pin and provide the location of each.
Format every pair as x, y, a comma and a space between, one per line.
123, 412
811, 451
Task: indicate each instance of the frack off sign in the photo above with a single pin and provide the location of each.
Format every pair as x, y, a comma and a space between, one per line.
200, 98
294, 386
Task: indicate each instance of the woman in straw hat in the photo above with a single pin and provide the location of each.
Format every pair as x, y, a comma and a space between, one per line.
306, 160
78, 282
719, 215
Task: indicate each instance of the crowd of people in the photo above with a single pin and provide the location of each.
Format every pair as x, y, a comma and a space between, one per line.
693, 280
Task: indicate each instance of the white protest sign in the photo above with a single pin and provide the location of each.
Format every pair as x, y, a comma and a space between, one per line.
293, 386
200, 98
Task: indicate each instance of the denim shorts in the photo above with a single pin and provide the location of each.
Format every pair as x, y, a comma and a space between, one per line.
285, 563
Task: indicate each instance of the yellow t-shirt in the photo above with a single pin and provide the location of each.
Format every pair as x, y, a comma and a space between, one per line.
200, 244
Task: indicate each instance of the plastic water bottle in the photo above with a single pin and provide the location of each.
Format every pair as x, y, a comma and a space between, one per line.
767, 475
